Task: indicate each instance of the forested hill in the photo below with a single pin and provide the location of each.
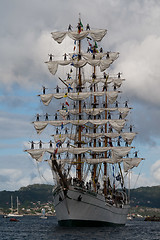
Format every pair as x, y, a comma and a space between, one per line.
144, 196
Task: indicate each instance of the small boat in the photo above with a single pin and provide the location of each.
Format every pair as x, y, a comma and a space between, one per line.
14, 220
14, 214
154, 219
129, 217
43, 216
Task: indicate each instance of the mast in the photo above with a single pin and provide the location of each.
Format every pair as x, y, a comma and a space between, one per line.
11, 204
79, 167
94, 155
106, 140
17, 205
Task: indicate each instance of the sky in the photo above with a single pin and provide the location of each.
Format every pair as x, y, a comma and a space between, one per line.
25, 41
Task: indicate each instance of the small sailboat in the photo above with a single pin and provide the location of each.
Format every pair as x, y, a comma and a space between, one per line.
14, 214
91, 154
43, 216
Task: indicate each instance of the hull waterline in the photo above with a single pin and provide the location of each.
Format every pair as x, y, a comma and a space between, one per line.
77, 207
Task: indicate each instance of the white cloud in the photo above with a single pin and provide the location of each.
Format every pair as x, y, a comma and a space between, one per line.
13, 126
155, 171
140, 65
14, 179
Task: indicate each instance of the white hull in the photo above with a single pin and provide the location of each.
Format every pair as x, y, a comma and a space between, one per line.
14, 215
90, 210
43, 217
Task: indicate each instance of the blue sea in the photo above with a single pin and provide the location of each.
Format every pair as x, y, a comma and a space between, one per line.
34, 228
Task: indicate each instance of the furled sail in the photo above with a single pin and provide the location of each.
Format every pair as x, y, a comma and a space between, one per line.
103, 64
117, 124
97, 35
46, 98
116, 81
37, 154
95, 111
126, 136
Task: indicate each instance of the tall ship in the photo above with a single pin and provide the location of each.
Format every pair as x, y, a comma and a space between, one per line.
90, 152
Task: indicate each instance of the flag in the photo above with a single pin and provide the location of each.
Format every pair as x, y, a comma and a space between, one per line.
89, 43
82, 128
113, 170
73, 56
65, 95
81, 24
56, 151
65, 108
58, 143
67, 103
62, 125
96, 45
69, 86
118, 177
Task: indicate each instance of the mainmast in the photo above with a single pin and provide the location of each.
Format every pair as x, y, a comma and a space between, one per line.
79, 169
94, 155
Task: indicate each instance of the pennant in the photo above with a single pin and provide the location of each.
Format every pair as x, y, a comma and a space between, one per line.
79, 27
89, 43
113, 171
69, 86
73, 56
118, 177
96, 45
67, 103
81, 24
82, 127
65, 95
58, 143
62, 125
56, 151
65, 108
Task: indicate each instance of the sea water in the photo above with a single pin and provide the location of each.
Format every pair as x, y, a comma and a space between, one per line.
34, 228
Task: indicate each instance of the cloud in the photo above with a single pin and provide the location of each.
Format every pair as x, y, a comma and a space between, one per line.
14, 178
13, 126
155, 171
140, 65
